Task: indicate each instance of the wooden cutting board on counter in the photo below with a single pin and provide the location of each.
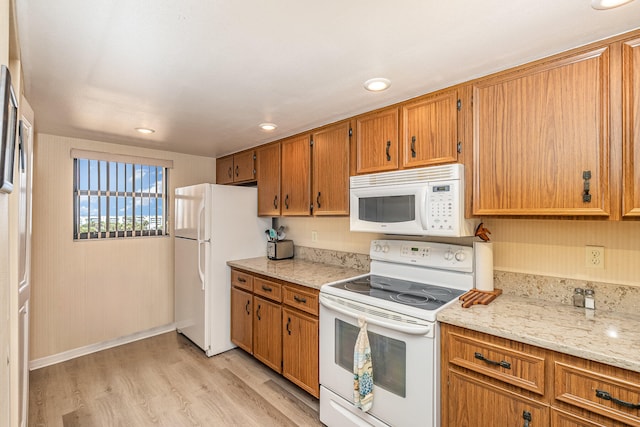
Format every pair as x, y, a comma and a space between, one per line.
475, 296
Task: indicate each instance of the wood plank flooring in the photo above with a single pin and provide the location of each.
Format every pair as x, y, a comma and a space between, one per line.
166, 381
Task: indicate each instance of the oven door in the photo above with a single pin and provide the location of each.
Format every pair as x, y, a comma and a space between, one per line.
404, 358
391, 209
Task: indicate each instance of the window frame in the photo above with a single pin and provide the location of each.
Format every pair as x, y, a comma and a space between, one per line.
105, 194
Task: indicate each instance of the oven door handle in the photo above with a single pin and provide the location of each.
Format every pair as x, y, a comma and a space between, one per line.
357, 310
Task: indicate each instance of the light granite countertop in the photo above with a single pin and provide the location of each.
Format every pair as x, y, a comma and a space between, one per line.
600, 335
302, 272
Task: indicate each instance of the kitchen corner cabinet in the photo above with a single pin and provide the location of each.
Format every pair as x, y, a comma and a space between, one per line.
268, 178
430, 130
237, 168
331, 170
375, 148
541, 138
295, 186
491, 381
631, 126
277, 322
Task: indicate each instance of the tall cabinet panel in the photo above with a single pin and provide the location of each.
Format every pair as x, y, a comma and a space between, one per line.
631, 157
296, 176
541, 139
331, 170
268, 176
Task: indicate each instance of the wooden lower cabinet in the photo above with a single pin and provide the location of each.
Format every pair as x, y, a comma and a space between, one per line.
267, 333
277, 322
300, 350
473, 402
492, 381
242, 319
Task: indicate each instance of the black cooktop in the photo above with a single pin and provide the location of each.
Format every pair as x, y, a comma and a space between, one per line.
419, 295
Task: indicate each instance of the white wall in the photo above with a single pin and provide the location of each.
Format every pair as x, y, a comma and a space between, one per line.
548, 247
93, 291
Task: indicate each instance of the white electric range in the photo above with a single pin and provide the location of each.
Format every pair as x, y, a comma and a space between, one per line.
408, 284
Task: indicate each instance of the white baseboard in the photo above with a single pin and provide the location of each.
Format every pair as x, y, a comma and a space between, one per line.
82, 351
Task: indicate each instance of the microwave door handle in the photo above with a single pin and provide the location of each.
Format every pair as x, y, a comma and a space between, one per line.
425, 207
378, 321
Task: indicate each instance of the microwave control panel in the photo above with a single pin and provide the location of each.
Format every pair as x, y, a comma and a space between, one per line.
443, 208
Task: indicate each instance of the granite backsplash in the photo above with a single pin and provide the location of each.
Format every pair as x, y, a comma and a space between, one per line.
608, 296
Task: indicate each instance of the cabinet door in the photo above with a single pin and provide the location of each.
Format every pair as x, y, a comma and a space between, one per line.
331, 171
296, 176
224, 170
376, 141
539, 133
472, 402
268, 177
430, 130
243, 166
267, 333
631, 161
564, 419
300, 350
242, 319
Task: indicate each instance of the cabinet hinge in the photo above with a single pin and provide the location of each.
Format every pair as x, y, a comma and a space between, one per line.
254, 157
311, 207
350, 132
459, 147
311, 142
459, 104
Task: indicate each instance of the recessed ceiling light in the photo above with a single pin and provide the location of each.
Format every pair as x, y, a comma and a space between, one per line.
608, 4
146, 131
268, 126
377, 84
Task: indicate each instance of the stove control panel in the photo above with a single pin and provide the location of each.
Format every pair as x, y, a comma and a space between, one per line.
425, 254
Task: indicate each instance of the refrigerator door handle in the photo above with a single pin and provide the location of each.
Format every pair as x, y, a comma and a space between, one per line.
200, 242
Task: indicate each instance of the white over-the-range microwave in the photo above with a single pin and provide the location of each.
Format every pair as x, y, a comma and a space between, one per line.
418, 202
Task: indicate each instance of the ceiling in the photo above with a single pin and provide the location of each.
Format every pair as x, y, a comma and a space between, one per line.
205, 73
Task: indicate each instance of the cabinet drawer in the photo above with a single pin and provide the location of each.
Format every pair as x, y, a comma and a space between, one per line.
518, 368
267, 289
599, 389
242, 280
302, 300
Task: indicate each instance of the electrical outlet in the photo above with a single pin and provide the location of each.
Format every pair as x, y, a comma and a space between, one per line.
314, 236
594, 256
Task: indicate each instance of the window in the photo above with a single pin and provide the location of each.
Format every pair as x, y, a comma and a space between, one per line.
119, 196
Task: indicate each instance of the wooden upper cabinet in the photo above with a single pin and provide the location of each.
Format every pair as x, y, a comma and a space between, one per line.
331, 170
268, 177
430, 130
238, 167
631, 120
224, 170
296, 176
376, 141
541, 138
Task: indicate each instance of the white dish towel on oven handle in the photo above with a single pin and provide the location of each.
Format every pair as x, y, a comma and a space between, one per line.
362, 369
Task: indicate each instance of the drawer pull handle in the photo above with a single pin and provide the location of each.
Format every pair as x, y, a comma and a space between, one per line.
526, 415
242, 280
266, 288
502, 363
387, 152
246, 307
606, 396
300, 299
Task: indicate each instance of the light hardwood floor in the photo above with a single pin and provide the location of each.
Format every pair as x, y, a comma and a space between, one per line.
166, 381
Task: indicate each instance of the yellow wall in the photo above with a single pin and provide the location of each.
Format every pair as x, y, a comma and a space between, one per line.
548, 247
89, 292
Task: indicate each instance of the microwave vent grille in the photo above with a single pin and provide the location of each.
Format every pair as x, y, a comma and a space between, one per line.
409, 176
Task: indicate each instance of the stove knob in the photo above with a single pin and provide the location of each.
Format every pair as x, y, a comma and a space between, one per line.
377, 248
460, 256
385, 248
448, 255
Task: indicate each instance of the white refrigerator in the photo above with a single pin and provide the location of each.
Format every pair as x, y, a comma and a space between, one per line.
213, 224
